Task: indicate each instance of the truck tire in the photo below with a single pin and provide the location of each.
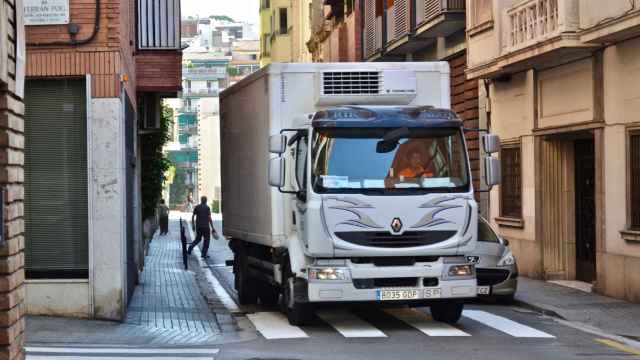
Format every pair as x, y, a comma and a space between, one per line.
298, 313
269, 294
245, 285
448, 313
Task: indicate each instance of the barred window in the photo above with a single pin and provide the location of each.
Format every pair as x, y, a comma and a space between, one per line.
511, 189
634, 156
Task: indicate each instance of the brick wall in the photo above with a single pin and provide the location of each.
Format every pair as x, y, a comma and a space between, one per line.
464, 101
12, 291
159, 71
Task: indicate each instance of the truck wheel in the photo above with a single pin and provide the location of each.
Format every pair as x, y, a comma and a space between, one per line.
269, 295
448, 313
246, 286
298, 313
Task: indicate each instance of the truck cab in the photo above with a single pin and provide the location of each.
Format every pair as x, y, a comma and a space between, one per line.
383, 208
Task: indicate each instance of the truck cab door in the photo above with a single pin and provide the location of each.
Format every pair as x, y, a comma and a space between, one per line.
300, 202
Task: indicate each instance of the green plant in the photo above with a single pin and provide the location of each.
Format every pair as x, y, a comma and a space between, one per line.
155, 163
215, 206
178, 189
232, 71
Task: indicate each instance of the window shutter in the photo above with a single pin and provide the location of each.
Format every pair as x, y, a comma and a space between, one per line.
56, 179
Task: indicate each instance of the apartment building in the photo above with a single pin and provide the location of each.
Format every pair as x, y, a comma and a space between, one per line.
12, 289
284, 31
563, 80
428, 30
336, 31
96, 73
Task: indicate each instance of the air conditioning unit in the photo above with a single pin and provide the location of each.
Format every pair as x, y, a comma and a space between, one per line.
367, 87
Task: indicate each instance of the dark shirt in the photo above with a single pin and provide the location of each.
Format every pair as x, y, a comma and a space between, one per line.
203, 214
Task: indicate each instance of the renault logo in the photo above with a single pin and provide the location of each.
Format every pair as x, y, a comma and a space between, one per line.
396, 225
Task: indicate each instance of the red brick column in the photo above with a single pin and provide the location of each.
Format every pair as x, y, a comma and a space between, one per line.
12, 291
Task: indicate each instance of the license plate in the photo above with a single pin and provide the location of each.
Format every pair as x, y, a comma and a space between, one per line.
484, 290
399, 294
432, 293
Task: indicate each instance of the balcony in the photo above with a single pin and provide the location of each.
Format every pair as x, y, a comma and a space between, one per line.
535, 34
435, 18
409, 25
159, 58
200, 93
203, 73
188, 110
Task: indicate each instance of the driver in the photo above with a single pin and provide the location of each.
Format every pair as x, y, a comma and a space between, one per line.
415, 168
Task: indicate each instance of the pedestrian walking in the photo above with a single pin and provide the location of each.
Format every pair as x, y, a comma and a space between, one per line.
163, 215
202, 224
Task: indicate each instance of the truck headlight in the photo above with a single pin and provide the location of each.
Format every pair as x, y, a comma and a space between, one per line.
507, 260
328, 273
461, 270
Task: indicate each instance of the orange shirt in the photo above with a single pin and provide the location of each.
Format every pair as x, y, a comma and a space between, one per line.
411, 173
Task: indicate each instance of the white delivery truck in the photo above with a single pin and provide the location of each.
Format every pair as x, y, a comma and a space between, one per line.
349, 182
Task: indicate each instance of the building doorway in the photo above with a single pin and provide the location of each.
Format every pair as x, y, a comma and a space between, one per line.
585, 205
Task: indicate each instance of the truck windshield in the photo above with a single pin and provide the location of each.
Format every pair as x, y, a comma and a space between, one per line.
346, 160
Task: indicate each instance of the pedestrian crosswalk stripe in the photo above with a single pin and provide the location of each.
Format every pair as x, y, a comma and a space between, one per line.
111, 353
425, 323
505, 325
274, 325
349, 325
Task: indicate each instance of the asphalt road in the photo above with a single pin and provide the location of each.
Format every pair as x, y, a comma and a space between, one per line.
486, 331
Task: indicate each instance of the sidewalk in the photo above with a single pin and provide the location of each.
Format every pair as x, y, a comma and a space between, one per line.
170, 307
612, 316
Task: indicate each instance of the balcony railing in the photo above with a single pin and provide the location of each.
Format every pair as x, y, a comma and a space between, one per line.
534, 21
204, 71
427, 10
188, 109
201, 92
158, 24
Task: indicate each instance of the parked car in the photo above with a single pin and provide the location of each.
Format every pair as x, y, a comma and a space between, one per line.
496, 266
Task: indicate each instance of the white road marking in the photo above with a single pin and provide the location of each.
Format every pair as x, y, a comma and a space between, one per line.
505, 325
425, 323
349, 325
274, 325
107, 353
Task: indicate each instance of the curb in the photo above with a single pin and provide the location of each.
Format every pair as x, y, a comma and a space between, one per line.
541, 308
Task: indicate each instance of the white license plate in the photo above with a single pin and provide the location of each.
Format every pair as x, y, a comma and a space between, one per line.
484, 290
432, 293
396, 294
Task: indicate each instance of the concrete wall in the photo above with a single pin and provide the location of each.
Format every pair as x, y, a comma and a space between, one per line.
209, 182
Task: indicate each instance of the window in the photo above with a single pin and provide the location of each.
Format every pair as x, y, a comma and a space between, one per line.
282, 16
301, 162
485, 232
634, 177
511, 189
481, 12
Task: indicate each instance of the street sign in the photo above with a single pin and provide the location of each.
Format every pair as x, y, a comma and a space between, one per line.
46, 12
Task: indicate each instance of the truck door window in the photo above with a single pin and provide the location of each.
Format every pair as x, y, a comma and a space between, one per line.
301, 162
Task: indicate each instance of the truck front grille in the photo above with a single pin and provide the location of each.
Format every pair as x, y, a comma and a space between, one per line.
385, 283
387, 240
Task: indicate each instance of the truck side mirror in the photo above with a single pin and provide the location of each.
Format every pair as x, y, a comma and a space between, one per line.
491, 143
492, 172
276, 172
277, 144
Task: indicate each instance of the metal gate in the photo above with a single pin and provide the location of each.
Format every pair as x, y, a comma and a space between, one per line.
132, 269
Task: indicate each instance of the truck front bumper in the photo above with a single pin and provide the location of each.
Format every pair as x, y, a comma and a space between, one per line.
367, 281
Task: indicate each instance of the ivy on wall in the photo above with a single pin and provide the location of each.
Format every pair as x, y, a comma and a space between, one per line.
155, 163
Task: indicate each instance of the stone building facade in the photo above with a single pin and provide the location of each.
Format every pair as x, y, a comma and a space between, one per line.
563, 93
